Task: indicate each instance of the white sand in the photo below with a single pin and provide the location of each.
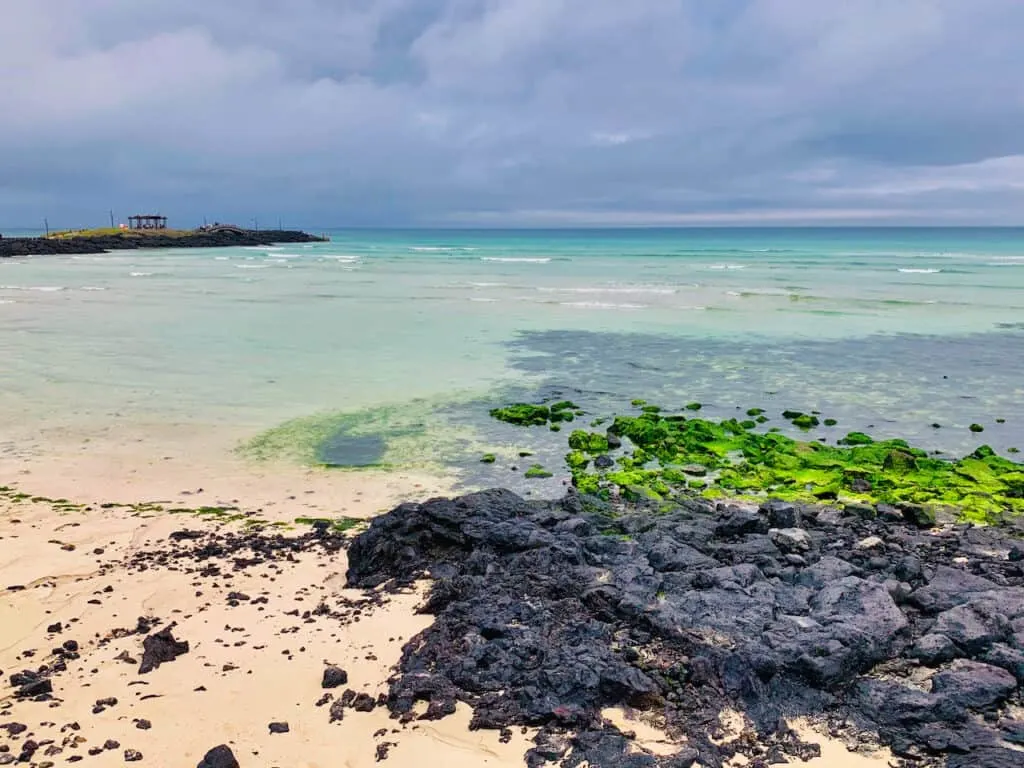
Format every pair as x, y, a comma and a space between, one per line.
238, 705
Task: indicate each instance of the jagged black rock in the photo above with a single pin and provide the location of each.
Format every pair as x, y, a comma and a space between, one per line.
549, 611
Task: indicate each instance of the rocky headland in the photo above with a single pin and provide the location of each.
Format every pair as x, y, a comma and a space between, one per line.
48, 246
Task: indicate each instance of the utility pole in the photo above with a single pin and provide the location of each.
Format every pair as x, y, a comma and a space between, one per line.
111, 218
46, 224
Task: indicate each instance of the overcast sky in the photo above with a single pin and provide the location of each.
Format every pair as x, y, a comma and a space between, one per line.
513, 112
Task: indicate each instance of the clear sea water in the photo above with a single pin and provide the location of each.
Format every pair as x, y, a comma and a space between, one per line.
888, 329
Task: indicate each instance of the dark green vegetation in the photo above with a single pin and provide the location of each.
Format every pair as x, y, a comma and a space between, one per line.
666, 455
526, 415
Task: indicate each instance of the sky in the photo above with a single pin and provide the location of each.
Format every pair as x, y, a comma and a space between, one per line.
508, 113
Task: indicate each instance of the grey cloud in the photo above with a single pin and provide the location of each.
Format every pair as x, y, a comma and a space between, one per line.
441, 112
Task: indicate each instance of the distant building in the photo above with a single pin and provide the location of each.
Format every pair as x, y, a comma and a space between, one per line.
147, 221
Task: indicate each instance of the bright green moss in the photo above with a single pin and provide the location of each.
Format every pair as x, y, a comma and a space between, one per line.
694, 406
537, 472
588, 442
977, 428
488, 458
523, 415
737, 461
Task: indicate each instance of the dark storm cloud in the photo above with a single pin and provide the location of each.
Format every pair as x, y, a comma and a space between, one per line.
552, 112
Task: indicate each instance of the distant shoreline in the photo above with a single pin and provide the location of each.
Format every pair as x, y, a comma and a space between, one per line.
134, 240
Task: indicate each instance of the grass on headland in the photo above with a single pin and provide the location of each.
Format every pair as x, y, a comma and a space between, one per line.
674, 455
68, 234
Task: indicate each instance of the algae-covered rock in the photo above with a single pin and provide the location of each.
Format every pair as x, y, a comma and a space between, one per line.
537, 471
488, 458
805, 421
588, 442
976, 428
523, 415
738, 461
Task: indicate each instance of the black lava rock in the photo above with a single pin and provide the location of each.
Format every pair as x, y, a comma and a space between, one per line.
334, 677
219, 757
547, 612
160, 647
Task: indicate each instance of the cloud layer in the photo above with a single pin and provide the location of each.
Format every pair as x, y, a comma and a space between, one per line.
513, 112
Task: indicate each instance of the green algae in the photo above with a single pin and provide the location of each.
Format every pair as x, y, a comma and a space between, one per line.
537, 472
588, 442
530, 415
670, 455
335, 524
488, 458
523, 415
976, 428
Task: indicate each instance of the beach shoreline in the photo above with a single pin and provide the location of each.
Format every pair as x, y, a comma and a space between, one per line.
83, 570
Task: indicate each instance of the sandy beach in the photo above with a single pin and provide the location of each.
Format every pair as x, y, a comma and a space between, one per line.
254, 661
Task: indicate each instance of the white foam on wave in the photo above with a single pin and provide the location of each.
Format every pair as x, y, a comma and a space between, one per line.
727, 266
92, 288
482, 299
38, 288
7, 301
910, 271
488, 285
252, 266
612, 290
600, 305
220, 258
140, 274
517, 259
346, 259
439, 248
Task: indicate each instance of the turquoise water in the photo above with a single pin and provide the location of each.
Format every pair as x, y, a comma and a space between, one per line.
864, 322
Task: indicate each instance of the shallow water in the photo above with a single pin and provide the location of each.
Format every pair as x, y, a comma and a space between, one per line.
862, 324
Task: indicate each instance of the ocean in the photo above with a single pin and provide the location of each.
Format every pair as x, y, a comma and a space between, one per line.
389, 347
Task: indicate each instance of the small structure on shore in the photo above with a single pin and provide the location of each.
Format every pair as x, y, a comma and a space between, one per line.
147, 221
218, 228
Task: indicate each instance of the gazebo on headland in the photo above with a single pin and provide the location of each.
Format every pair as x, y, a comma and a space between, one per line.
147, 221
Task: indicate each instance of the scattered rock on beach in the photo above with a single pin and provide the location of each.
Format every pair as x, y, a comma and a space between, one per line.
334, 677
219, 757
161, 647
